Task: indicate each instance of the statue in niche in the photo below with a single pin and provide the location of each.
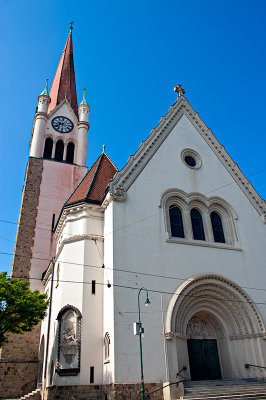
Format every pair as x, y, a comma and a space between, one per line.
69, 342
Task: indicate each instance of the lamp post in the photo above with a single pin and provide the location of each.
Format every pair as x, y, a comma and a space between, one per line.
147, 302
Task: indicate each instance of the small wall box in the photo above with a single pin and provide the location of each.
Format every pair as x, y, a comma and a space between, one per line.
137, 328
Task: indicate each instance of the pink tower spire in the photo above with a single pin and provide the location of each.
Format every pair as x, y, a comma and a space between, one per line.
64, 83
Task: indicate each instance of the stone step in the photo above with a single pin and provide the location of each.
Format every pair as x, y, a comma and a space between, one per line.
247, 396
223, 390
227, 389
201, 393
223, 382
34, 395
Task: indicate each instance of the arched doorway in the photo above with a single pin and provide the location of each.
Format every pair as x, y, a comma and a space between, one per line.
214, 328
202, 340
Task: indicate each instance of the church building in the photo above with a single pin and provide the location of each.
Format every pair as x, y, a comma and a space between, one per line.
179, 228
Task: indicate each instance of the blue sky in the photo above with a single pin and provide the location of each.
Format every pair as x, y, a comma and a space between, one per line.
129, 55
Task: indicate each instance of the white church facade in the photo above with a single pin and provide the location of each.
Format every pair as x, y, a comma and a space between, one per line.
179, 220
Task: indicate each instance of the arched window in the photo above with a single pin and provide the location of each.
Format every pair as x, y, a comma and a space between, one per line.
176, 222
217, 228
107, 348
48, 148
70, 152
59, 150
197, 225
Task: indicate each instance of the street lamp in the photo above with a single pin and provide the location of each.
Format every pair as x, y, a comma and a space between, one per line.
140, 331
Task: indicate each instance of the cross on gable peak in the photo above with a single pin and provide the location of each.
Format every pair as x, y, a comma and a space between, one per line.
179, 90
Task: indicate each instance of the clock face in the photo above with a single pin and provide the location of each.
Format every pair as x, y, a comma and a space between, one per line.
62, 124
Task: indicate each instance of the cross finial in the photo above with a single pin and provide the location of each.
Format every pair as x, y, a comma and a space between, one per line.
179, 90
71, 26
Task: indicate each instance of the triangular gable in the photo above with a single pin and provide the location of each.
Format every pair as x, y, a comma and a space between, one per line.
136, 163
65, 101
93, 186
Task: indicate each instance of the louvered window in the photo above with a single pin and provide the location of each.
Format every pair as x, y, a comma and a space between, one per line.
59, 150
70, 152
48, 148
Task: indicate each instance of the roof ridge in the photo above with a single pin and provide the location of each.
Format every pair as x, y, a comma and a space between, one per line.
100, 159
111, 161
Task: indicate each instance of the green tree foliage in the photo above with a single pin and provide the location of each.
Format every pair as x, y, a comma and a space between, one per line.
20, 308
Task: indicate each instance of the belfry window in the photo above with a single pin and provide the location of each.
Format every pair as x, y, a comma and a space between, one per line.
70, 152
217, 228
197, 225
59, 150
48, 148
176, 222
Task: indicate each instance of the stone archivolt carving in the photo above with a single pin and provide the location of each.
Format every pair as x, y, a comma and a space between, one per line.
199, 327
69, 333
229, 307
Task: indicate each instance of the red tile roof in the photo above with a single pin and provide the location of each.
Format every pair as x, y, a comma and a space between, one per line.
64, 79
92, 187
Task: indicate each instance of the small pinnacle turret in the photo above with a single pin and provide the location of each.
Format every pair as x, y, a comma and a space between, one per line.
84, 101
45, 91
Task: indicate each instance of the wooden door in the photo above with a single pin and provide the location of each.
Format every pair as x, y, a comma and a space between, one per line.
203, 359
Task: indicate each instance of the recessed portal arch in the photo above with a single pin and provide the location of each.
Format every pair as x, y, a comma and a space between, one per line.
212, 308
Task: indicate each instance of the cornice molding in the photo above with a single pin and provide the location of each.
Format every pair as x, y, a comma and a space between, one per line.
44, 99
249, 336
41, 114
83, 123
169, 336
136, 163
73, 210
71, 239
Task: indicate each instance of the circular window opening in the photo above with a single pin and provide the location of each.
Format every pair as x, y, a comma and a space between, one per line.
191, 158
190, 161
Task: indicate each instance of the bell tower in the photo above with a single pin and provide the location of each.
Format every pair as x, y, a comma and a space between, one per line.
57, 162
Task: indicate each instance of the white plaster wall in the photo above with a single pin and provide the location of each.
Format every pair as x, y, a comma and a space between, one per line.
58, 181
108, 295
139, 245
81, 262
